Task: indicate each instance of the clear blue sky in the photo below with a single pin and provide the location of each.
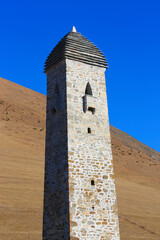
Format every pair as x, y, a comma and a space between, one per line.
128, 32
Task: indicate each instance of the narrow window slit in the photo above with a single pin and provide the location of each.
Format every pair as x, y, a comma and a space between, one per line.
89, 130
92, 182
56, 89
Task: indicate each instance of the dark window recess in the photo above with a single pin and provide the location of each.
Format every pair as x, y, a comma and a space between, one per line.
56, 89
92, 182
92, 207
92, 110
88, 89
54, 111
89, 130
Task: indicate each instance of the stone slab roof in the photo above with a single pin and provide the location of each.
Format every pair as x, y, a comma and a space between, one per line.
76, 47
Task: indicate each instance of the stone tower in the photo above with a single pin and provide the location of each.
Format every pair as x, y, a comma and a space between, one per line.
79, 189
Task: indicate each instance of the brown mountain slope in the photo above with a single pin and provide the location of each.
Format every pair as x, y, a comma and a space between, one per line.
138, 187
22, 138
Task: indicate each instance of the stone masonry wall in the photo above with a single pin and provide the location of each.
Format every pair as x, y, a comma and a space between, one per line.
56, 198
93, 210
79, 189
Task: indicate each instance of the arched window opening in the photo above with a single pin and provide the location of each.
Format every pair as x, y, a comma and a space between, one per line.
56, 100
88, 89
56, 89
89, 130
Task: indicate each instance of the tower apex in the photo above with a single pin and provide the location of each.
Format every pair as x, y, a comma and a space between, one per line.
76, 47
74, 29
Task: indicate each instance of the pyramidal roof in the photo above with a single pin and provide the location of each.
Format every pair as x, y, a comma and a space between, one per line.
76, 47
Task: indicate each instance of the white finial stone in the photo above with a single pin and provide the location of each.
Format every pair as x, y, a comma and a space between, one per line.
74, 29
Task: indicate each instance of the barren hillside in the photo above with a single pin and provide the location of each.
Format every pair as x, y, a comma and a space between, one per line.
22, 138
